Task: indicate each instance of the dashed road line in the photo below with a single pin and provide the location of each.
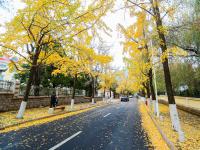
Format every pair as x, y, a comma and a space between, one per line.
107, 115
66, 140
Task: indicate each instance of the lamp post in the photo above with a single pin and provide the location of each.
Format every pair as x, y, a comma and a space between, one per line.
156, 108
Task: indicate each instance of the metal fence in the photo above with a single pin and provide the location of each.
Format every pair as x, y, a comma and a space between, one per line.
6, 86
45, 91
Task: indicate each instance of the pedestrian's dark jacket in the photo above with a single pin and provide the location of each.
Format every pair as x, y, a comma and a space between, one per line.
53, 100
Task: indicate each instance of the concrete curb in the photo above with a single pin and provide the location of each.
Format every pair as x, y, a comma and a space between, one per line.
184, 108
45, 117
165, 138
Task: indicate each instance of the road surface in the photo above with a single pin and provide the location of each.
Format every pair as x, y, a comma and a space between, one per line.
113, 127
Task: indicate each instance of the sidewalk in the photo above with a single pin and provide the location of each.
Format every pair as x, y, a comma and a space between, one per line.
9, 118
157, 142
190, 125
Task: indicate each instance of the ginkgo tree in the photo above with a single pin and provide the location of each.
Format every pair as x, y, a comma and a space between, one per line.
96, 65
125, 83
107, 79
158, 11
78, 58
47, 26
136, 45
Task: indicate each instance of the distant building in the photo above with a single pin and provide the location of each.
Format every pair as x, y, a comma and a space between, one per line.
100, 93
5, 74
183, 88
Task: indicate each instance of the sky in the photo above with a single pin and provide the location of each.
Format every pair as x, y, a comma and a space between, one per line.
112, 19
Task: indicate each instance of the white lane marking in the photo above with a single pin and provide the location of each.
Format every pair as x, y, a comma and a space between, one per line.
107, 115
66, 140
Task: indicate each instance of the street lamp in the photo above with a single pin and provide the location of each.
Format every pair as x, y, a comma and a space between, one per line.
156, 108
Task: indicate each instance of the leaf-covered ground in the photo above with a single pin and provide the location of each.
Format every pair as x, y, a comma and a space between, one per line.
185, 101
9, 118
121, 130
157, 141
189, 123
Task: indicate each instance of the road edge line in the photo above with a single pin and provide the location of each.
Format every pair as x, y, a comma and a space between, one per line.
165, 138
45, 117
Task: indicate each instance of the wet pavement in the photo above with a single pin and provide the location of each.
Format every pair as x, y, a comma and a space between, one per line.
114, 127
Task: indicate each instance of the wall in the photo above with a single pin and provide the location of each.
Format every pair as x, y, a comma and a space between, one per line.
8, 102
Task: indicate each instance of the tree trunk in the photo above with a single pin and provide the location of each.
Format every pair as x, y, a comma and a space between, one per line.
104, 92
147, 89
110, 92
90, 90
73, 92
152, 92
151, 84
163, 46
172, 105
74, 87
28, 86
114, 94
93, 89
29, 83
95, 84
36, 81
143, 93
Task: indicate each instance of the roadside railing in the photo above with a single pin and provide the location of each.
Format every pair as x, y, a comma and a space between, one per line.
6, 86
46, 91
19, 89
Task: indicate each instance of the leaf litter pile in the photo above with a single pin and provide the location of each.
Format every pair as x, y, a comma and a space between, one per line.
190, 125
153, 134
9, 118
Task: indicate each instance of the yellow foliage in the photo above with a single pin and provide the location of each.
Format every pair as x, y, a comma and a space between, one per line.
37, 113
157, 141
107, 79
174, 52
163, 29
53, 33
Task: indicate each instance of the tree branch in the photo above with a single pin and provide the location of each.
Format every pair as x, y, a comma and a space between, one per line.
138, 5
15, 52
191, 49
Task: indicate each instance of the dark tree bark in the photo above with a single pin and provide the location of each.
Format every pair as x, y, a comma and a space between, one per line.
147, 89
104, 92
110, 92
151, 84
31, 74
163, 45
96, 84
90, 90
74, 87
36, 81
114, 94
150, 75
142, 93
93, 87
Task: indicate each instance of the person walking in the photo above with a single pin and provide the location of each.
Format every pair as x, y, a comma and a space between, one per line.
54, 100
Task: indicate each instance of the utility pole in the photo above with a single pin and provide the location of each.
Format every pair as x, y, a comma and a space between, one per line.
156, 107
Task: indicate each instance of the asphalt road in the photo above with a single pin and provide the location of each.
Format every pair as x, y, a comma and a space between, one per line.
114, 127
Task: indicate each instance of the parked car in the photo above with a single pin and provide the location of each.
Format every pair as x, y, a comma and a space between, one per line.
124, 99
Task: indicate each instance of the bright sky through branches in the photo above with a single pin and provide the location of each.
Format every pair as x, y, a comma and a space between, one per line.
112, 19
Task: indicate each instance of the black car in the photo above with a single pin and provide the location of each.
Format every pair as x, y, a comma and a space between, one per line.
124, 99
